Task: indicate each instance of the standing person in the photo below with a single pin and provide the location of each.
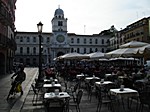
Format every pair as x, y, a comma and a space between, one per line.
20, 76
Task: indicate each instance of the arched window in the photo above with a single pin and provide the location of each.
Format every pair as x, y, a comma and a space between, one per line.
78, 40
78, 50
21, 39
48, 39
96, 49
28, 50
72, 49
90, 41
85, 41
96, 41
28, 39
84, 50
102, 41
102, 50
72, 40
34, 50
91, 50
21, 50
34, 39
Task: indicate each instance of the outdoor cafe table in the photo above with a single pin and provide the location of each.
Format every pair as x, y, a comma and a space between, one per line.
103, 83
52, 95
87, 79
49, 87
49, 80
79, 76
126, 93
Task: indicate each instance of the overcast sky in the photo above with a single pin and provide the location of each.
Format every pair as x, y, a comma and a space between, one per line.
84, 16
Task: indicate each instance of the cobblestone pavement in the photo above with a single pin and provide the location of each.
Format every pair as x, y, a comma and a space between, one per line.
24, 103
15, 103
86, 105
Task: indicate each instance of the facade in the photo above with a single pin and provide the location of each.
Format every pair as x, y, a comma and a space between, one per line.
138, 31
7, 36
58, 42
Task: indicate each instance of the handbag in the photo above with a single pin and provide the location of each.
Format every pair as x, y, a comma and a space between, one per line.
18, 88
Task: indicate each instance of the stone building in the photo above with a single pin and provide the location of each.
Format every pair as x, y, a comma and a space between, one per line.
7, 41
138, 31
58, 42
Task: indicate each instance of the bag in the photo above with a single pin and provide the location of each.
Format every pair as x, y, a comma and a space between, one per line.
18, 88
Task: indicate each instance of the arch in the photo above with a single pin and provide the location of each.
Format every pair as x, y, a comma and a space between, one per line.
60, 54
2, 64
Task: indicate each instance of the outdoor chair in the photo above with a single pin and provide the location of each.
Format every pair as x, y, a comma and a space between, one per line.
57, 105
72, 90
104, 99
75, 103
144, 97
37, 95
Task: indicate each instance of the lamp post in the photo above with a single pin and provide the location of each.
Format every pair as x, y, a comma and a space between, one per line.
40, 26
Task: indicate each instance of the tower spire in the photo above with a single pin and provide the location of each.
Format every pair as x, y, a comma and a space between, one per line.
58, 6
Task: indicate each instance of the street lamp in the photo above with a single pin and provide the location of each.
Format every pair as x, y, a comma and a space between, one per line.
40, 27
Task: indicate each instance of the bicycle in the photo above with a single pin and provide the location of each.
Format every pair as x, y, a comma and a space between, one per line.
15, 88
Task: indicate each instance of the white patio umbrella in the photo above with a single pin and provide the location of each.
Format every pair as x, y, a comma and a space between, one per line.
145, 49
133, 44
96, 55
74, 56
124, 52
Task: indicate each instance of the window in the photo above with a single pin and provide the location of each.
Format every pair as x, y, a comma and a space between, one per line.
72, 40
28, 39
34, 39
21, 60
84, 50
96, 49
102, 41
60, 23
78, 50
34, 50
96, 41
78, 40
102, 50
84, 41
21, 39
91, 50
21, 50
34, 62
48, 40
72, 49
28, 50
90, 41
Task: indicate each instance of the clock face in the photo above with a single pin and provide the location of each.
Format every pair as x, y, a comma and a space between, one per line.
60, 38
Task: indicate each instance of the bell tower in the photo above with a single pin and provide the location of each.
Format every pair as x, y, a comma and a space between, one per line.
59, 23
59, 40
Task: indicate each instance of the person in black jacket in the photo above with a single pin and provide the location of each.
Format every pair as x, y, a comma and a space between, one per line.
20, 76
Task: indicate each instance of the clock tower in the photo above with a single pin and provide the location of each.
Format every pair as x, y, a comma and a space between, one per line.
59, 42
59, 27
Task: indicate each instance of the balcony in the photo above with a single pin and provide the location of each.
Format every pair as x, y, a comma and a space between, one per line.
5, 16
5, 42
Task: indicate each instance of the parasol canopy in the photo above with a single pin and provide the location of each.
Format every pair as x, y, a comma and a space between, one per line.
133, 44
124, 52
96, 55
73, 55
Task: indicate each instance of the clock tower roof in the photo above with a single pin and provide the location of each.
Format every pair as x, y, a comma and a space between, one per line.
59, 12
